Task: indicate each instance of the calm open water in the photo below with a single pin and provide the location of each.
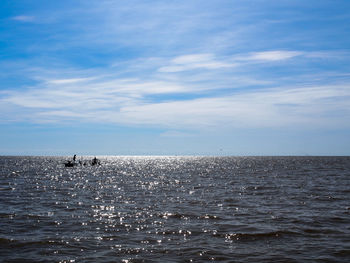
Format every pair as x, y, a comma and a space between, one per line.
175, 209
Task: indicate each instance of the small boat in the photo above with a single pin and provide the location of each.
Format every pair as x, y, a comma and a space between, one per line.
73, 163
69, 164
95, 161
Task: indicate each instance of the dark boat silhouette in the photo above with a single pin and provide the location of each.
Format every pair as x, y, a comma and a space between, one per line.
73, 163
70, 164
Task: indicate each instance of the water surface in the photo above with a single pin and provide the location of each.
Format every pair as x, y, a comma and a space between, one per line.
175, 209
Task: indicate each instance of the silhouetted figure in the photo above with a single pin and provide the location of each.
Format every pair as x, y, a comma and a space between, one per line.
95, 161
74, 157
69, 164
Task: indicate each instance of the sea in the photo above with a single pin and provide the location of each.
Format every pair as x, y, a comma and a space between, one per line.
175, 209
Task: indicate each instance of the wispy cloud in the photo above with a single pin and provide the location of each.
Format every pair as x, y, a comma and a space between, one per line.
275, 55
24, 18
68, 81
126, 102
270, 108
221, 92
208, 61
195, 61
175, 133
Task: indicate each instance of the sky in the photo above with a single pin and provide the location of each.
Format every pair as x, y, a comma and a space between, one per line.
176, 77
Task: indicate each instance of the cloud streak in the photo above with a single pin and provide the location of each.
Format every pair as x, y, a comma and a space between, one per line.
270, 108
170, 97
24, 18
273, 55
129, 102
195, 61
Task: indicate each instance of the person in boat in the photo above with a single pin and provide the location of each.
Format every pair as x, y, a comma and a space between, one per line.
95, 161
69, 163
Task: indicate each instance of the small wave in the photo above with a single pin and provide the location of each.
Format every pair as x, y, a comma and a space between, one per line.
178, 232
207, 216
6, 215
321, 231
256, 236
7, 188
168, 215
14, 243
342, 253
5, 240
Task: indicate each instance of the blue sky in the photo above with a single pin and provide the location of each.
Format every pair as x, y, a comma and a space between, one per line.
224, 77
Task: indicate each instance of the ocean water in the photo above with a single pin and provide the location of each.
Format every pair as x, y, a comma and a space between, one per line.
175, 209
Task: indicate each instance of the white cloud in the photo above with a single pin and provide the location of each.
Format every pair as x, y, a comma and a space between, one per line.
79, 94
210, 62
24, 18
125, 101
275, 55
215, 98
195, 61
272, 108
193, 58
62, 113
174, 133
68, 81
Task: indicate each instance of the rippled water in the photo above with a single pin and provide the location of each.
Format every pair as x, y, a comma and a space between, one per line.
175, 209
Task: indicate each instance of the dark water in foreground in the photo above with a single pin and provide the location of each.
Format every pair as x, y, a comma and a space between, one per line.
176, 209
